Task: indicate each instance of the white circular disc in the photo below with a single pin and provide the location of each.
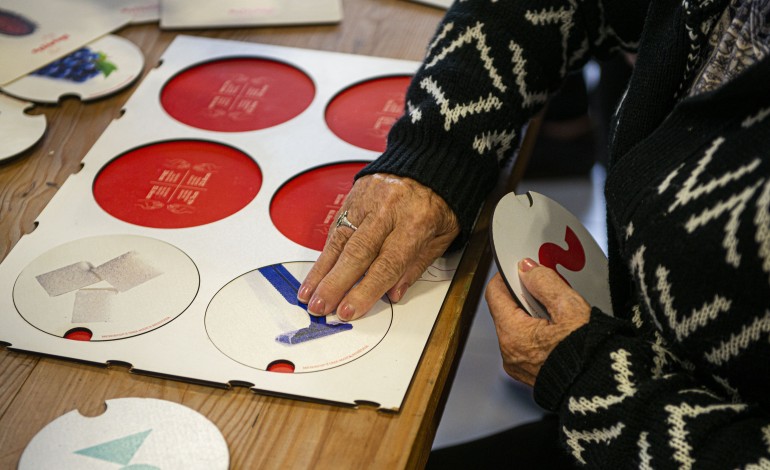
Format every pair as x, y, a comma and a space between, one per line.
256, 320
101, 68
20, 131
115, 286
534, 226
137, 433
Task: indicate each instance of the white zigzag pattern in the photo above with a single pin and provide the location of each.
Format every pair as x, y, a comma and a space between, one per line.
699, 318
453, 114
759, 117
637, 268
679, 433
564, 17
520, 70
763, 463
739, 342
622, 376
415, 113
645, 458
574, 438
476, 35
693, 189
762, 221
489, 140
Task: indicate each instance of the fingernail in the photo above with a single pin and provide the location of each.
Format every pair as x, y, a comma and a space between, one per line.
527, 264
316, 306
399, 293
303, 294
346, 312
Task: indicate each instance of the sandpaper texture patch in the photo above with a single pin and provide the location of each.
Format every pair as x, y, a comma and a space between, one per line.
113, 286
138, 433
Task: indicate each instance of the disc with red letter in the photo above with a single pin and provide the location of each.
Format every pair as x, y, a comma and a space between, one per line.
534, 226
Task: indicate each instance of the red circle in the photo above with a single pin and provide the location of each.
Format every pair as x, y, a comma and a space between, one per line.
363, 114
282, 366
303, 209
177, 184
79, 334
236, 95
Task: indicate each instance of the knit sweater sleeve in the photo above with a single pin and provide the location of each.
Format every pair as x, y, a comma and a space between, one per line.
490, 67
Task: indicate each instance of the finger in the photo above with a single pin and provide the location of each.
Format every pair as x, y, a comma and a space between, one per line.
550, 289
356, 258
388, 267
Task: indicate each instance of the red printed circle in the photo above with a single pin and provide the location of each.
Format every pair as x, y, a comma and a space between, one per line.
237, 95
363, 114
303, 209
177, 184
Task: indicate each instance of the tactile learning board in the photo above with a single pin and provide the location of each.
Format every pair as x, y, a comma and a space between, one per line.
179, 246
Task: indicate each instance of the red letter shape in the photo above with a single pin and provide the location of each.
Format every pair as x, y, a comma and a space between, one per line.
573, 258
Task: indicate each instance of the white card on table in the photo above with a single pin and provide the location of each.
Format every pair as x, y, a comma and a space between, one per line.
36, 32
534, 226
233, 13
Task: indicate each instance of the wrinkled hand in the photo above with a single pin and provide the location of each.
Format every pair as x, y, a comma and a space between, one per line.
403, 227
525, 341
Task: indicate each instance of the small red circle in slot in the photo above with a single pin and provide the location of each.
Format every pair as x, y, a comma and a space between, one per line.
363, 114
237, 95
281, 366
79, 334
304, 208
177, 184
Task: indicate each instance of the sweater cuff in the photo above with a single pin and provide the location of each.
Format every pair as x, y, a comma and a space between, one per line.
463, 180
567, 361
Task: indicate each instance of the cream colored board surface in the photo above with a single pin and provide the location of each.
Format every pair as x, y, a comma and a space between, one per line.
229, 248
45, 31
137, 433
20, 131
178, 14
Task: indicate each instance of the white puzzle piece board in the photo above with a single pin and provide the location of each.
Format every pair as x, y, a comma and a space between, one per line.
534, 226
140, 433
180, 245
36, 32
178, 14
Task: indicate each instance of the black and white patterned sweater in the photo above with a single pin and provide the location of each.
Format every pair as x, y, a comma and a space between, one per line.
680, 376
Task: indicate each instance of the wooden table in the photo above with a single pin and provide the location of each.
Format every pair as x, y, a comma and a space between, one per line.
261, 431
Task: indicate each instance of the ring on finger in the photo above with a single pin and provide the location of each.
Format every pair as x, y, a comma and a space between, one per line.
343, 221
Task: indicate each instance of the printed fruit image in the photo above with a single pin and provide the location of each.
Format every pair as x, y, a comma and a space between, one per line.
81, 65
14, 24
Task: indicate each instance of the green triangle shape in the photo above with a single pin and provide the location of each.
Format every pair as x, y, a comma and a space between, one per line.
117, 451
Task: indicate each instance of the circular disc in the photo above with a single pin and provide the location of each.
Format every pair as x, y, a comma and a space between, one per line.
140, 433
20, 131
303, 209
534, 226
177, 184
363, 114
101, 68
113, 286
237, 95
257, 321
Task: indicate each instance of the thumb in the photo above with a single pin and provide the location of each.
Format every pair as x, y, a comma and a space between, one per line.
550, 289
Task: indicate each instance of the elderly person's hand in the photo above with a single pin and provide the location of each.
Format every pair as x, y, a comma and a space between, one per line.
402, 227
525, 341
